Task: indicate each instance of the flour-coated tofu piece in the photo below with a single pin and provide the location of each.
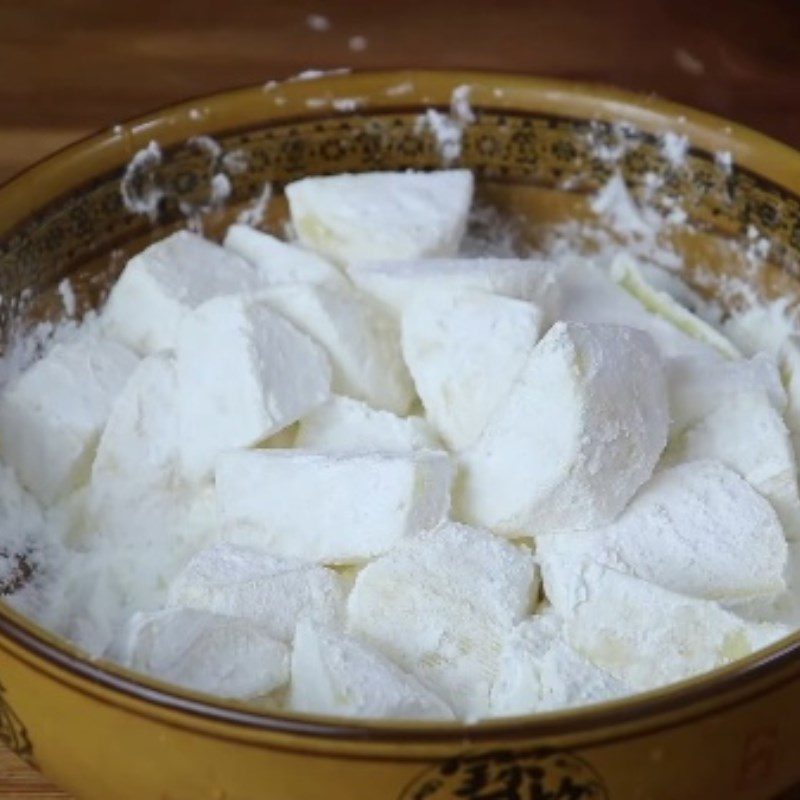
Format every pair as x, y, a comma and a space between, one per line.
330, 508
464, 351
337, 675
783, 609
441, 604
140, 438
627, 274
395, 285
580, 431
276, 262
345, 425
589, 295
244, 373
696, 528
698, 385
246, 582
52, 415
136, 486
364, 348
747, 434
209, 653
540, 671
642, 634
161, 285
382, 214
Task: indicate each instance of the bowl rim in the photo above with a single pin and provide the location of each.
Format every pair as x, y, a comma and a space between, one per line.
721, 688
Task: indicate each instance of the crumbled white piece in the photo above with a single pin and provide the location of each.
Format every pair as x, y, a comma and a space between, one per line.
539, 671
396, 285
329, 507
614, 204
643, 635
162, 285
392, 215
724, 160
441, 604
464, 351
697, 529
344, 425
248, 583
209, 653
674, 147
52, 415
68, 299
335, 674
763, 327
140, 193
588, 294
363, 346
580, 431
244, 373
697, 385
277, 262
747, 434
448, 129
626, 272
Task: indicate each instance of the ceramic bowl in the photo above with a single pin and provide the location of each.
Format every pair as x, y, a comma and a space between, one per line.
538, 148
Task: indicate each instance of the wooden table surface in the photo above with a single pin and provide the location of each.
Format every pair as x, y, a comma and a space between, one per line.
68, 67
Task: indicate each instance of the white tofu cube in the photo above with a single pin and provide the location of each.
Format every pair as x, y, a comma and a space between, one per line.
209, 653
696, 529
643, 635
337, 675
382, 214
344, 425
163, 284
248, 583
395, 285
363, 347
747, 434
140, 438
51, 417
244, 373
589, 295
580, 431
328, 507
440, 606
276, 262
539, 671
464, 351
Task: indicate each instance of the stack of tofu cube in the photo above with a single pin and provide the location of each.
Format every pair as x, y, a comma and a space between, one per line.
397, 483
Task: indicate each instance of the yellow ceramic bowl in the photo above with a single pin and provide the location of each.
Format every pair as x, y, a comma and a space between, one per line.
539, 147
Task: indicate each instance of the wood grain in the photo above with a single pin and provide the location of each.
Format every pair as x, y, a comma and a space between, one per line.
68, 67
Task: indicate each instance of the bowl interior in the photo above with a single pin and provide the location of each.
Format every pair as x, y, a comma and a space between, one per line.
540, 151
